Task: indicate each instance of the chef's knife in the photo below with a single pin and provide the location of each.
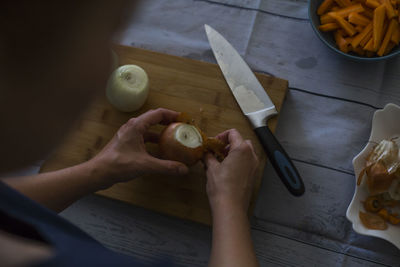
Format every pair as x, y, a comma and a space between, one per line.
256, 105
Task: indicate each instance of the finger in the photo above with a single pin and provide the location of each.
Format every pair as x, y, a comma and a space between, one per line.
250, 144
151, 137
160, 115
210, 161
232, 137
160, 166
252, 148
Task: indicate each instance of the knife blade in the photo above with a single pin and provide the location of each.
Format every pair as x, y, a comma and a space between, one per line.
256, 106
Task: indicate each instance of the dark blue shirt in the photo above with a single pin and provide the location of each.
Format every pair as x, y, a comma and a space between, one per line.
21, 216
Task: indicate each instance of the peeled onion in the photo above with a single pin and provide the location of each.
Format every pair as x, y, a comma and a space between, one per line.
181, 142
128, 88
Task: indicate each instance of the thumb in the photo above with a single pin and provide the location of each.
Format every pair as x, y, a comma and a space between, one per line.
210, 161
161, 166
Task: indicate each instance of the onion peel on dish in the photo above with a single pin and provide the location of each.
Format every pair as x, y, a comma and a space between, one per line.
372, 221
382, 181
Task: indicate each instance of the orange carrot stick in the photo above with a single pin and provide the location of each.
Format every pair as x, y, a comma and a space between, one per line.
342, 33
372, 3
343, 3
379, 18
387, 38
358, 19
359, 28
344, 12
365, 40
358, 50
389, 48
396, 34
359, 37
324, 7
369, 53
328, 27
369, 13
389, 9
349, 40
349, 29
335, 8
370, 45
341, 42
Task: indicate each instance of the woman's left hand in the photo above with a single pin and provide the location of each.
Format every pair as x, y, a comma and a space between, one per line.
125, 156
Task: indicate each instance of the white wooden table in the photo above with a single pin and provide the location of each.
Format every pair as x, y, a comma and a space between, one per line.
324, 123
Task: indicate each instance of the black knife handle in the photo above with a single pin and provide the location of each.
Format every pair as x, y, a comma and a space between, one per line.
281, 161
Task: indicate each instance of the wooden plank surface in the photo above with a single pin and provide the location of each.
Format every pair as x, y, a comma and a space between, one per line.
148, 236
324, 123
195, 87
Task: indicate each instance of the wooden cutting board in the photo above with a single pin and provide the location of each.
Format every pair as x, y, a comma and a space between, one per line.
181, 84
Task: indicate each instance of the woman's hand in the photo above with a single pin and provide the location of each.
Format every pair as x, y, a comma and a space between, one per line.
229, 188
125, 156
230, 183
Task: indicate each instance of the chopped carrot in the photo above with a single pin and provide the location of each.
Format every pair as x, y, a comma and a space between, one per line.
379, 18
342, 33
396, 34
359, 28
324, 19
349, 40
365, 40
389, 48
370, 45
358, 19
359, 37
358, 50
344, 24
369, 53
343, 3
365, 27
328, 27
341, 42
372, 3
389, 9
368, 12
344, 12
387, 38
325, 6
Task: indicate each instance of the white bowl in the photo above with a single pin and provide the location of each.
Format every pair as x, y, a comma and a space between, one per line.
385, 125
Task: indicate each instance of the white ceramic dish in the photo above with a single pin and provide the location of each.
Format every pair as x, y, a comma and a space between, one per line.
385, 125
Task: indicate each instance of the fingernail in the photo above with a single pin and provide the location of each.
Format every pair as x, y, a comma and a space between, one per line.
182, 169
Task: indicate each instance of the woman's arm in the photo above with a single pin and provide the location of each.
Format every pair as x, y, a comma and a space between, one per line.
229, 188
57, 190
122, 159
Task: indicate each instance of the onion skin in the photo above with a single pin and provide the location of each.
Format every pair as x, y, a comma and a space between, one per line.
379, 180
172, 149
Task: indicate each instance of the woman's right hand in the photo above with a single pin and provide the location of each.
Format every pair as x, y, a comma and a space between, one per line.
229, 187
230, 182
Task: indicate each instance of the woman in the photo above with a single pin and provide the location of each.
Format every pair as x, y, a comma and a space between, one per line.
54, 57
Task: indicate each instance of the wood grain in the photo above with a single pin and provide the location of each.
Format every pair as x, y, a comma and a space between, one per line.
181, 84
148, 236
